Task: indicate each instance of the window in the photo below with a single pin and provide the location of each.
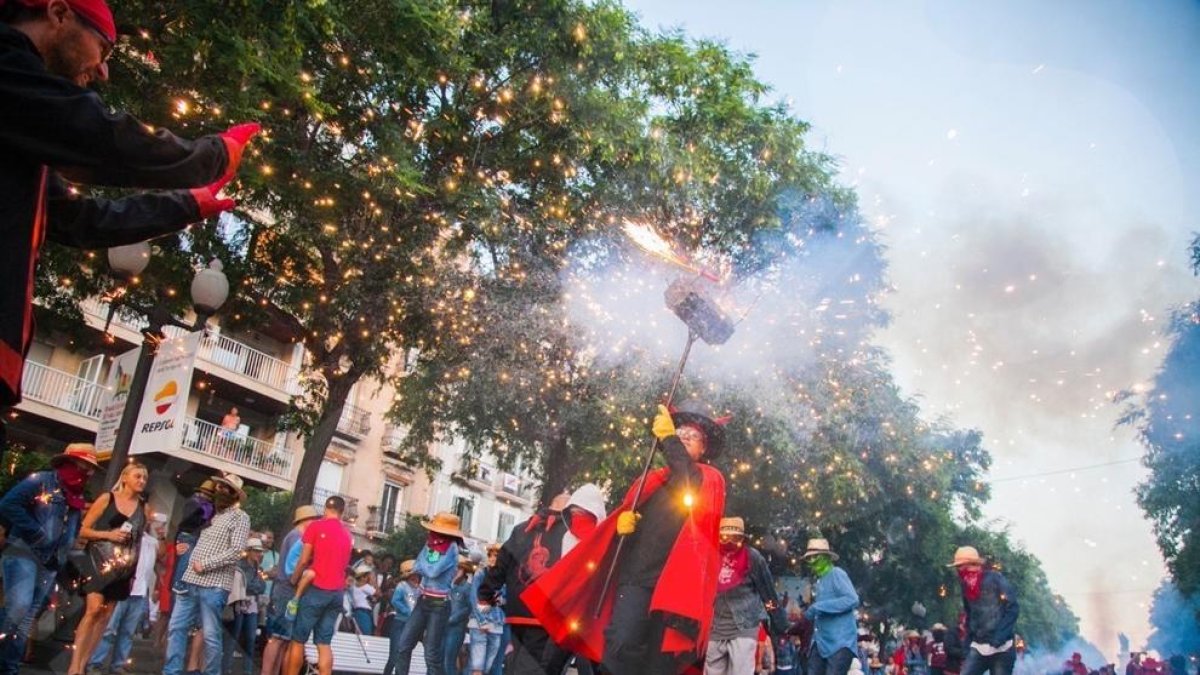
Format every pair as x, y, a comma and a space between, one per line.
464, 508
389, 507
505, 526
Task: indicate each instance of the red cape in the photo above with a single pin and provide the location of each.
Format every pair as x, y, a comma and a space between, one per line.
564, 599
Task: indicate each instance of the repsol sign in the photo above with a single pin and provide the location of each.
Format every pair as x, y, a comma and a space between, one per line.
152, 427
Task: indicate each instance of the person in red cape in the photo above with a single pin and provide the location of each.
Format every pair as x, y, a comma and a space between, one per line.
656, 618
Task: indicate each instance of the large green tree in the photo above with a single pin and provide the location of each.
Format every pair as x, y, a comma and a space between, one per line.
1165, 416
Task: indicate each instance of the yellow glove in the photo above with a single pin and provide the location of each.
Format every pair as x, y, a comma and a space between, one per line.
627, 522
663, 425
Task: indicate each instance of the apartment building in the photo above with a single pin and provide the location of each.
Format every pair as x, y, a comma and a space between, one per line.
256, 372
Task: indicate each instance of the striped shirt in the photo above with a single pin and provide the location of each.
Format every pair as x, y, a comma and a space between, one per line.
219, 549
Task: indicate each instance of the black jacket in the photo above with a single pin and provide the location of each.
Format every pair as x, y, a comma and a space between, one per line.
992, 618
533, 546
51, 126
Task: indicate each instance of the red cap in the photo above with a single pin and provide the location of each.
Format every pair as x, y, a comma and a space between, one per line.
95, 12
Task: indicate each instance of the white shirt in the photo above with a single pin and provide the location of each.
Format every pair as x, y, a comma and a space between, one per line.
360, 596
988, 650
143, 576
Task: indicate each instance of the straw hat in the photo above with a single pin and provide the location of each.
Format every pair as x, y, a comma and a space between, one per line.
735, 526
234, 481
363, 569
254, 544
83, 454
303, 513
407, 568
818, 547
445, 523
966, 555
207, 487
938, 626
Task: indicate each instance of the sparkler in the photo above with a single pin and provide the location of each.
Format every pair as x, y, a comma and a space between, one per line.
647, 239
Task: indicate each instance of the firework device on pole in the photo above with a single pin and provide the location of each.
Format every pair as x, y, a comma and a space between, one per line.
689, 299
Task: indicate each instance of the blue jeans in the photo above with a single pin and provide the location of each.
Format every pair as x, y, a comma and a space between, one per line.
394, 644
244, 634
996, 664
484, 647
454, 642
27, 584
207, 603
181, 562
366, 623
498, 662
118, 636
427, 625
838, 662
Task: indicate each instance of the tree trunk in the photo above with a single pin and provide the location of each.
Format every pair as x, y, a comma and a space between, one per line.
318, 442
557, 468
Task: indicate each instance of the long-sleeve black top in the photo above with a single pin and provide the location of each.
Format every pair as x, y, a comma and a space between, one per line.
49, 127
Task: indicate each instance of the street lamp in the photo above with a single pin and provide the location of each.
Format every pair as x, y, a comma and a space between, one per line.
209, 290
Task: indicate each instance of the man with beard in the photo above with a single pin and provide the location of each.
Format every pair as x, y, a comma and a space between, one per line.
54, 127
745, 594
532, 548
41, 514
658, 619
991, 606
208, 578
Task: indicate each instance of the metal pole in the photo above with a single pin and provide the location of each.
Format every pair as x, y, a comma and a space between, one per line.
637, 495
151, 336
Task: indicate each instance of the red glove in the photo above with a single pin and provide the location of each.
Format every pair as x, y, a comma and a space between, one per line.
208, 202
236, 138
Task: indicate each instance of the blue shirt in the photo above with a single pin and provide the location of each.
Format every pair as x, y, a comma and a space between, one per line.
835, 625
39, 519
437, 575
404, 598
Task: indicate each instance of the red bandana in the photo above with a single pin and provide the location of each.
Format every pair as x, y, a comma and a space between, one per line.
971, 582
581, 523
735, 563
73, 479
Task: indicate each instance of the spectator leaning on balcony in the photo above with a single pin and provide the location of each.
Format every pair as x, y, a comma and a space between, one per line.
55, 127
41, 515
208, 578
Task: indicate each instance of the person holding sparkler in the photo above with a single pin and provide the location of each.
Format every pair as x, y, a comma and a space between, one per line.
659, 618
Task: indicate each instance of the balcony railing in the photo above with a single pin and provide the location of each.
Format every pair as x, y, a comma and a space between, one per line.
220, 350
61, 390
321, 494
211, 439
354, 421
230, 354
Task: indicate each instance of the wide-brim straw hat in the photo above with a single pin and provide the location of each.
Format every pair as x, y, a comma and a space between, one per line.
818, 547
408, 568
83, 454
303, 513
445, 523
966, 555
733, 525
234, 481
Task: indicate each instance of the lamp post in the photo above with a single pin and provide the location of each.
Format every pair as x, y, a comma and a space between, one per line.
209, 290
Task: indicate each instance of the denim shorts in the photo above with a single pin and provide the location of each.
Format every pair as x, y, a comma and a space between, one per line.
318, 614
278, 622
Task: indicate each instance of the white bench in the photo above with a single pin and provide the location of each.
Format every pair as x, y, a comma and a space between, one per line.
348, 656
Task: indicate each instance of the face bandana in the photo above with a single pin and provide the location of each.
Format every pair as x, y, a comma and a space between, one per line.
970, 582
821, 565
437, 544
581, 523
73, 478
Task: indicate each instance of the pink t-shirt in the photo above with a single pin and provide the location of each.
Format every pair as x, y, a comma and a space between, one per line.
331, 553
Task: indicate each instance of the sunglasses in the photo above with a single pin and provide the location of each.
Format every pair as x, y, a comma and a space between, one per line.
107, 50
